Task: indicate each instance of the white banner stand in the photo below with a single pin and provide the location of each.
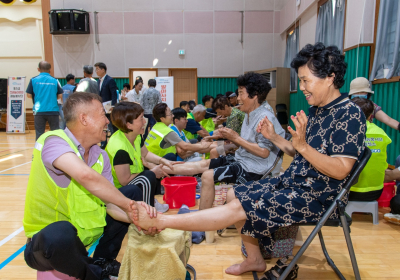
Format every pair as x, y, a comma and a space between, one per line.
165, 85
16, 105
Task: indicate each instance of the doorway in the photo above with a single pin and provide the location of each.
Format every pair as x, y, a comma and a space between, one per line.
185, 84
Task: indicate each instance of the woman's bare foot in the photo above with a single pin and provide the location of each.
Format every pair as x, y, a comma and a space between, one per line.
144, 220
246, 266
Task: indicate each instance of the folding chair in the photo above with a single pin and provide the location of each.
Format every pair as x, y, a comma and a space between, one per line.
344, 221
279, 156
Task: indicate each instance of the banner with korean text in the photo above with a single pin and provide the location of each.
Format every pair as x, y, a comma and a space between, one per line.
166, 87
16, 105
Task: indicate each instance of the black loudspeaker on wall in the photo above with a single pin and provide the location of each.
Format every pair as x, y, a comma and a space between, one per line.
3, 93
66, 21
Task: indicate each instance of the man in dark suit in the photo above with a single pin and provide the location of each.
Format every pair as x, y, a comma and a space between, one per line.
108, 92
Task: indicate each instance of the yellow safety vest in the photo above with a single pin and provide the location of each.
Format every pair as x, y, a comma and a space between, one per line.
47, 203
118, 141
154, 138
187, 133
373, 174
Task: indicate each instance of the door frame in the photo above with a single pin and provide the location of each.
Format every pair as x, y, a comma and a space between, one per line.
131, 70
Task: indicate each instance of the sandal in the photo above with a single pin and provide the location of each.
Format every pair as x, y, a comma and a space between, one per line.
277, 270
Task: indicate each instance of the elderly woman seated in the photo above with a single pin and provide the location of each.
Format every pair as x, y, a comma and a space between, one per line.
325, 147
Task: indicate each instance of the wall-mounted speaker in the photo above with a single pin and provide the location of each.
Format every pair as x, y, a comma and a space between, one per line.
65, 21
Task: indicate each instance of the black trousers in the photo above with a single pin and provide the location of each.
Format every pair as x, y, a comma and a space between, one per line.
40, 123
365, 196
57, 246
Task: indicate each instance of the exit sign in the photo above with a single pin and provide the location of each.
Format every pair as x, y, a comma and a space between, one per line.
181, 52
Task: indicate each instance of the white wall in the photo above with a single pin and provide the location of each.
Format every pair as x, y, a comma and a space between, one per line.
21, 42
133, 33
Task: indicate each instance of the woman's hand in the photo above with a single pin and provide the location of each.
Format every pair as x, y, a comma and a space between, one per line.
266, 128
151, 231
228, 133
168, 163
159, 172
299, 135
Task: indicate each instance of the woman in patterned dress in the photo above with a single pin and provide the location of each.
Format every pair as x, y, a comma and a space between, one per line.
325, 146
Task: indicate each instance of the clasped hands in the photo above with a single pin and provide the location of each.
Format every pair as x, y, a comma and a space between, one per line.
266, 128
133, 215
225, 133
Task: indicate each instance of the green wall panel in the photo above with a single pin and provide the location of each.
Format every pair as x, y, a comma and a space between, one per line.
298, 102
388, 97
352, 72
213, 86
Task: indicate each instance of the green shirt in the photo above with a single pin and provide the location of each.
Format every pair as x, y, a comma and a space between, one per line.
235, 120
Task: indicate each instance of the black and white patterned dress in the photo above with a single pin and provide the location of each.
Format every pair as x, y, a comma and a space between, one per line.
303, 194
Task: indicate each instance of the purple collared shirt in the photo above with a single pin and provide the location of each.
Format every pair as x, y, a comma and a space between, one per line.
55, 146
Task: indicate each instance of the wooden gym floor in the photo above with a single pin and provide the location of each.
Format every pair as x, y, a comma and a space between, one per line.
377, 247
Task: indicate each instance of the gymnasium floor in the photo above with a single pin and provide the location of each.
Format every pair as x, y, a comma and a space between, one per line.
377, 247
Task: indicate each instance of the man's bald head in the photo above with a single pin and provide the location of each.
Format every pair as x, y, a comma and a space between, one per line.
44, 66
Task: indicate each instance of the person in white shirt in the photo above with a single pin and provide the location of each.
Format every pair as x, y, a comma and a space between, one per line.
136, 94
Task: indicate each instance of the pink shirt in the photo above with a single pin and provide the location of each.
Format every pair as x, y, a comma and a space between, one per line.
55, 146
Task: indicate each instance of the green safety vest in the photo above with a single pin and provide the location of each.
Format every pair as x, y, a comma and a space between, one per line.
373, 174
187, 133
208, 124
47, 203
154, 138
118, 141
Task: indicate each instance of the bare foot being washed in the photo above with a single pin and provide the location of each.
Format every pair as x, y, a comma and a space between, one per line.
246, 266
144, 220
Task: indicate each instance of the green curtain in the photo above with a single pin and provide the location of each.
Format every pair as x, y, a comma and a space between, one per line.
214, 86
119, 81
297, 103
388, 97
352, 71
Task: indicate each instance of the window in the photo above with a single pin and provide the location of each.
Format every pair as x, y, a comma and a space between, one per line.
292, 48
386, 63
330, 22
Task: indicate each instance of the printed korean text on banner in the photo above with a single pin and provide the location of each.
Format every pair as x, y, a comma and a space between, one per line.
166, 87
16, 105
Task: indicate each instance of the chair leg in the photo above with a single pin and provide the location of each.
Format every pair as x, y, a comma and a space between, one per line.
328, 258
350, 246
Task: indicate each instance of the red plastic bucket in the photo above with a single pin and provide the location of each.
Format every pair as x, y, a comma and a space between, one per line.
179, 190
387, 194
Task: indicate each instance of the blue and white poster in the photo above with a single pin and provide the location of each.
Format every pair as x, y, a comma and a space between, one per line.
16, 105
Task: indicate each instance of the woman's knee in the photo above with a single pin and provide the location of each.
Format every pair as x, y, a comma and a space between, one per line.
208, 175
62, 232
230, 195
236, 209
132, 192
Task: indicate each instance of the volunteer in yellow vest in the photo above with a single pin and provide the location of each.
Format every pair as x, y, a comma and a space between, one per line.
71, 200
193, 127
125, 152
163, 141
370, 183
208, 122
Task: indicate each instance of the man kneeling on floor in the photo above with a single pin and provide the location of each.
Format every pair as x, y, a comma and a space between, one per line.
71, 200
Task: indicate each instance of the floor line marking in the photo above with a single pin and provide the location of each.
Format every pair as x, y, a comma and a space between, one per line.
13, 256
15, 166
11, 236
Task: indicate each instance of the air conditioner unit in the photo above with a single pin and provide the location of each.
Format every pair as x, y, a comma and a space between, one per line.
66, 21
271, 77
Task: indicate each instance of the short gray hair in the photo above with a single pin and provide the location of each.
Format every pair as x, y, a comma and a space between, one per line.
88, 69
74, 101
199, 108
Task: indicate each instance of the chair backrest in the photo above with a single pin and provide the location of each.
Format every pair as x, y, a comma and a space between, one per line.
355, 173
280, 154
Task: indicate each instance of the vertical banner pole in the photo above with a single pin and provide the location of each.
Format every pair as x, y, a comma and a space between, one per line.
16, 105
165, 85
